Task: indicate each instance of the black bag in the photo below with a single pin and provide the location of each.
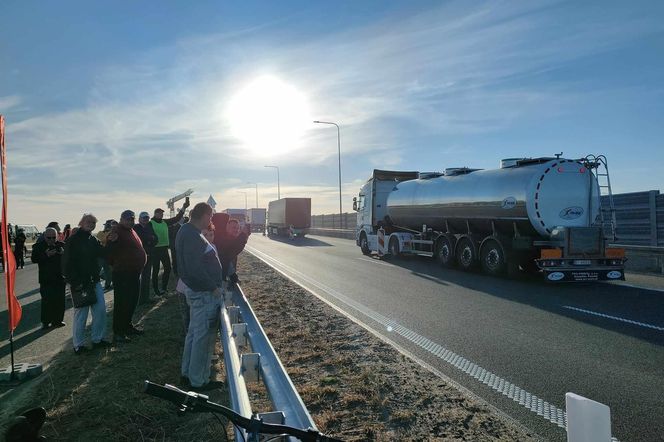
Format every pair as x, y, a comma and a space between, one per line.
83, 296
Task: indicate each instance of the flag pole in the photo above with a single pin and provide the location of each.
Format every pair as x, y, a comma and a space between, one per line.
9, 266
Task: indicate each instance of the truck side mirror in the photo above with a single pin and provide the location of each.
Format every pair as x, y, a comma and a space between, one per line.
355, 203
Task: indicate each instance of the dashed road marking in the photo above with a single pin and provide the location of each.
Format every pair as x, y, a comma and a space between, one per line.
528, 400
615, 318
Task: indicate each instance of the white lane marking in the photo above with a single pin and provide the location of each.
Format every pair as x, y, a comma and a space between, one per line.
616, 318
528, 400
375, 261
633, 286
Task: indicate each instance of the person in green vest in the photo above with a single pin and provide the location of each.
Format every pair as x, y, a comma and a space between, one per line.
160, 254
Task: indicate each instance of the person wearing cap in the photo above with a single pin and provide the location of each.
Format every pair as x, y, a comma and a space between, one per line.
127, 258
145, 232
106, 269
160, 253
81, 270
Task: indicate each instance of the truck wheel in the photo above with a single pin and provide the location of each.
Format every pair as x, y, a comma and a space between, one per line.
445, 253
364, 244
492, 258
466, 256
394, 247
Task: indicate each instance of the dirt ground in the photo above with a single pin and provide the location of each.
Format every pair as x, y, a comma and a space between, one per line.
355, 386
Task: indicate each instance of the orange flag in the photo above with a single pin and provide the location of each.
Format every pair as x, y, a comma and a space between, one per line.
13, 306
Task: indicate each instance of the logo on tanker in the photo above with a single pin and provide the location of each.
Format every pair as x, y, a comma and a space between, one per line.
571, 212
508, 203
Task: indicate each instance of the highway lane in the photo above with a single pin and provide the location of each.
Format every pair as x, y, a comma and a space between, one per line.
526, 338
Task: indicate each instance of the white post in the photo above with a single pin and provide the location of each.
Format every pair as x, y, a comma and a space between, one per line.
587, 420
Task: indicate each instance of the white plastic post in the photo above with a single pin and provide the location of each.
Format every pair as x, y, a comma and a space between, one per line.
587, 420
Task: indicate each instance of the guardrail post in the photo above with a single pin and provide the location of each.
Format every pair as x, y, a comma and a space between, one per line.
587, 420
240, 334
234, 314
251, 366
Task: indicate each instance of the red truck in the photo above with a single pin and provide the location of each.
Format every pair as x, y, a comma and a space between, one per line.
289, 216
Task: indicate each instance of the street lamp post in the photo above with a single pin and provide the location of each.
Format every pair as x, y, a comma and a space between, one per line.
278, 185
339, 151
245, 200
256, 184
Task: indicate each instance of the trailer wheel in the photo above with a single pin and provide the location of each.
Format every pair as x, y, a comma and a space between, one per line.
466, 256
492, 257
364, 244
445, 252
394, 247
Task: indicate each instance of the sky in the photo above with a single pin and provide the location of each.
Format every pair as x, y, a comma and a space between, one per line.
124, 104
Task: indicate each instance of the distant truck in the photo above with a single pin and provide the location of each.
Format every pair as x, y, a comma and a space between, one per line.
289, 216
256, 218
536, 214
238, 214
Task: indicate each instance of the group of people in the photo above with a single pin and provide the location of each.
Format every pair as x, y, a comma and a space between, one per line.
204, 249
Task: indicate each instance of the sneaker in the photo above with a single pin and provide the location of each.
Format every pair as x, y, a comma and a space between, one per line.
45, 326
101, 344
59, 324
80, 350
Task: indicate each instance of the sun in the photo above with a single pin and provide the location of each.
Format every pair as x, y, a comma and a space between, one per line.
268, 116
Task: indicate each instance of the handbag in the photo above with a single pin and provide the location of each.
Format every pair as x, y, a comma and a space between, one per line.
83, 296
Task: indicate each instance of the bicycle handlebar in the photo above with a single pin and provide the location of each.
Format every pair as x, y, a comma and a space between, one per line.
196, 402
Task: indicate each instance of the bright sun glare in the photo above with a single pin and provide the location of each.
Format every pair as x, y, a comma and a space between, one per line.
269, 116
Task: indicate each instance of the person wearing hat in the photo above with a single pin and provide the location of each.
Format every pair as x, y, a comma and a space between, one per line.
144, 231
160, 253
127, 258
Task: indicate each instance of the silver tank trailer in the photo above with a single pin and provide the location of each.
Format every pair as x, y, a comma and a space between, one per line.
536, 196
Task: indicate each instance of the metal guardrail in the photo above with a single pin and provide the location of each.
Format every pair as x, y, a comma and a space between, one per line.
241, 331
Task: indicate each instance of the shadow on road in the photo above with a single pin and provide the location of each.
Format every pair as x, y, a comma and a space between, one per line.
301, 242
27, 294
627, 303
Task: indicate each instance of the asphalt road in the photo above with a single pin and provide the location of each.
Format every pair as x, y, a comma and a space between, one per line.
529, 340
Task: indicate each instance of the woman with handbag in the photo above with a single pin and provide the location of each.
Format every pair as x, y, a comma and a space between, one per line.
81, 269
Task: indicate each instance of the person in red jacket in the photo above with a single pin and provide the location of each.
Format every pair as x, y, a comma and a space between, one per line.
230, 242
127, 257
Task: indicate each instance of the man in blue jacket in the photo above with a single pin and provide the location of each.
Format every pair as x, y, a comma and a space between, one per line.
201, 275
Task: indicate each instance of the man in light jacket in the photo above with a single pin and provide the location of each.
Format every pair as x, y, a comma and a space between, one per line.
201, 275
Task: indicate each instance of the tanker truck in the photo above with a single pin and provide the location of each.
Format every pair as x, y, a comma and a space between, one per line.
539, 215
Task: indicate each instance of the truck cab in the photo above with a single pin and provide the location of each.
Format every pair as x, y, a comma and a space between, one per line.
371, 205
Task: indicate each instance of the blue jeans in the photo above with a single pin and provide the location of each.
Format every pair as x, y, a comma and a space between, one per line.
204, 321
98, 319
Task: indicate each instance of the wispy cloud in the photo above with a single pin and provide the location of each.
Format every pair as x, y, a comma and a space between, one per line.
8, 102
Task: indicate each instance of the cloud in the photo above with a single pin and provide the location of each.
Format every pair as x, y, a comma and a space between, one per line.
8, 102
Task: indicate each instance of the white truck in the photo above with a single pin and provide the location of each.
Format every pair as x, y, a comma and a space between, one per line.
256, 218
537, 214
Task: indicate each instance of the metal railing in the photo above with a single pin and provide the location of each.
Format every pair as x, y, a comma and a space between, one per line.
250, 357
